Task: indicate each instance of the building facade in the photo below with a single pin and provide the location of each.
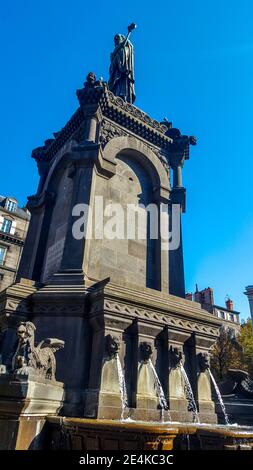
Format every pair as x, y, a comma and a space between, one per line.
14, 222
229, 316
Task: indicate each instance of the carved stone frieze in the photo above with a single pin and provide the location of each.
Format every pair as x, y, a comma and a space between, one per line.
158, 317
109, 106
53, 308
136, 112
109, 131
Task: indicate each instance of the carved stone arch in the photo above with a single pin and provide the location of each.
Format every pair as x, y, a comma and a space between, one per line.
138, 150
59, 164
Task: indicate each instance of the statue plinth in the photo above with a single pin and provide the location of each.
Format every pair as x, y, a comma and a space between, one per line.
24, 405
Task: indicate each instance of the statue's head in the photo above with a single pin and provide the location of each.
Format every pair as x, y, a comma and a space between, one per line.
25, 331
118, 39
145, 351
204, 361
112, 345
91, 78
176, 357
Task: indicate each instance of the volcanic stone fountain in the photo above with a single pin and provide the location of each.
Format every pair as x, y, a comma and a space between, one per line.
133, 343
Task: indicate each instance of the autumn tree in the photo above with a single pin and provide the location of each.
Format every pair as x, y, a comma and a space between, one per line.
246, 341
225, 354
233, 352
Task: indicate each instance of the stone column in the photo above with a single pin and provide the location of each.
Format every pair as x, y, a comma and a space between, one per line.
177, 282
91, 128
177, 176
176, 258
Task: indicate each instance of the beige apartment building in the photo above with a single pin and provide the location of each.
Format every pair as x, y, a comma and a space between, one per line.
14, 222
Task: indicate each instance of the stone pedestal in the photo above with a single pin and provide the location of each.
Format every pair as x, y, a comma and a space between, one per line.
204, 390
24, 405
177, 399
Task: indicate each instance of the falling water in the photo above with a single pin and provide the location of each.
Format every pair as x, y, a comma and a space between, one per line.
159, 390
190, 396
122, 387
219, 397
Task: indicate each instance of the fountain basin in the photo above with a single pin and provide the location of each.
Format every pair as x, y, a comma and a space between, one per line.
87, 435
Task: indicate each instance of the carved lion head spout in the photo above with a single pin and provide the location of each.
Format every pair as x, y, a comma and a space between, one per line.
25, 332
145, 351
176, 357
112, 346
204, 361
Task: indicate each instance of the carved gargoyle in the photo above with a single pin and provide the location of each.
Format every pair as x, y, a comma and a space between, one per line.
238, 383
176, 357
145, 351
36, 360
112, 346
204, 361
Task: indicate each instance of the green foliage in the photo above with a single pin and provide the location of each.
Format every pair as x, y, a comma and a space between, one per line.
233, 352
246, 342
225, 354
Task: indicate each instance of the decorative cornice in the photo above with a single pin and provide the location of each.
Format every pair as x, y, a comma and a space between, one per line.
98, 99
191, 325
55, 309
52, 146
109, 131
7, 237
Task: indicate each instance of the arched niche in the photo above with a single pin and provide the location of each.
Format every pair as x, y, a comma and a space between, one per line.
138, 150
139, 178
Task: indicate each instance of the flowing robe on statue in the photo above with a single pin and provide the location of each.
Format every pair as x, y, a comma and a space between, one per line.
121, 81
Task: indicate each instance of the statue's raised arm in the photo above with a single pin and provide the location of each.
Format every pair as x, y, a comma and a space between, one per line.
121, 80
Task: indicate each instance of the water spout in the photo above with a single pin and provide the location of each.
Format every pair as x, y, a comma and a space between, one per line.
122, 387
159, 390
219, 397
189, 395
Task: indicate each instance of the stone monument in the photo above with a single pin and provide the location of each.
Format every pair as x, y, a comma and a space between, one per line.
118, 303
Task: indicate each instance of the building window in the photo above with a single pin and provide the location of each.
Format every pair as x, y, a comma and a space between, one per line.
11, 206
231, 317
222, 314
2, 255
6, 226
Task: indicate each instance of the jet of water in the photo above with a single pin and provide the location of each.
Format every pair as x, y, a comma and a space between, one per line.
159, 390
122, 387
219, 397
189, 395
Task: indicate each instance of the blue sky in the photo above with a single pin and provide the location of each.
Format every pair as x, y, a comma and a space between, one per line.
194, 65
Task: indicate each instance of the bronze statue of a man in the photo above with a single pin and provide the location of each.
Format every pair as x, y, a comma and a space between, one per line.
121, 81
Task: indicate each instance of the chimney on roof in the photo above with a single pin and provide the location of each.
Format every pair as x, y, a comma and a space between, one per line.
208, 296
229, 304
189, 296
204, 296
